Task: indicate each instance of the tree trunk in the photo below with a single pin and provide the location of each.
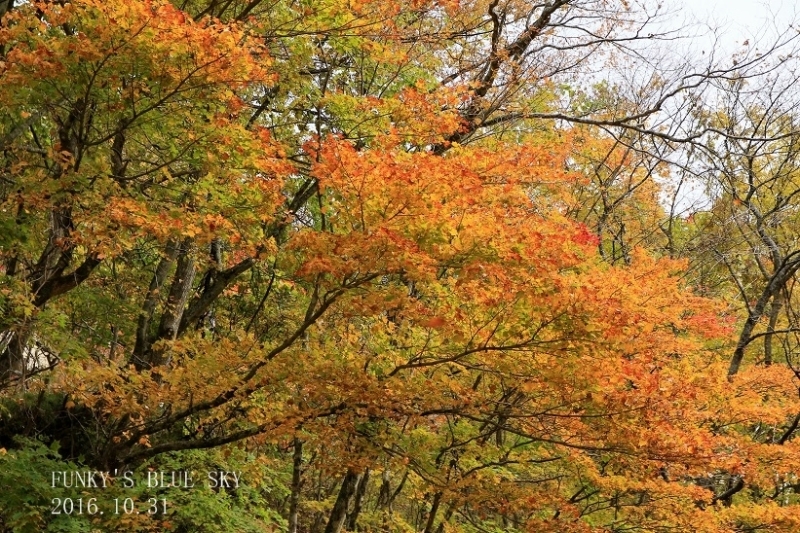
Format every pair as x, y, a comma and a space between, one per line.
385, 492
397, 492
448, 515
176, 302
12, 360
437, 499
747, 331
352, 519
294, 500
776, 284
774, 311
5, 7
339, 513
143, 337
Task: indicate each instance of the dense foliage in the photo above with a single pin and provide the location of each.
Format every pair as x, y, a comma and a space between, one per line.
403, 265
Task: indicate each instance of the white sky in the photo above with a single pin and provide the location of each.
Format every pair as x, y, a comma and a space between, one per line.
743, 13
741, 20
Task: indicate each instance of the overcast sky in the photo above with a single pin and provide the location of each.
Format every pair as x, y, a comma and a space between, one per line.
742, 20
747, 14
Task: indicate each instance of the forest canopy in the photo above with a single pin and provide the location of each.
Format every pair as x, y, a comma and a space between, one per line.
444, 266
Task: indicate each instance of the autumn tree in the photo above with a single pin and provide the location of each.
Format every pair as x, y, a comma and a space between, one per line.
334, 244
751, 172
